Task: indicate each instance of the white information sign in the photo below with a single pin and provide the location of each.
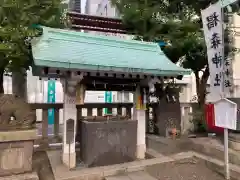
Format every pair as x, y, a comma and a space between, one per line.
225, 114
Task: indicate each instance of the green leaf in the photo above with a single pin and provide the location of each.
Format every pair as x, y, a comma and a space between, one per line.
16, 25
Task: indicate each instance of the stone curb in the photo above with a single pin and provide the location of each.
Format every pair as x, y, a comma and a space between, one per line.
26, 176
216, 152
195, 146
98, 173
218, 166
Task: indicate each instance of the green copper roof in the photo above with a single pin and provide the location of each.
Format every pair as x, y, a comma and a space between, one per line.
84, 51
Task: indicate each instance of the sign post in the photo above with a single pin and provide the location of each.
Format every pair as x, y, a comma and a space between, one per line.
51, 99
226, 160
226, 117
108, 99
225, 110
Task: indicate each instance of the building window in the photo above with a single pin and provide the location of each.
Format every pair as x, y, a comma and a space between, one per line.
105, 10
117, 14
126, 96
183, 95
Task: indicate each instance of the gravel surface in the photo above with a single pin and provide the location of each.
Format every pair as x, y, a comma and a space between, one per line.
187, 169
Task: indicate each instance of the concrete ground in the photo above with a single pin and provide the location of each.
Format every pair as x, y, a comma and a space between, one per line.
205, 145
161, 167
42, 166
187, 169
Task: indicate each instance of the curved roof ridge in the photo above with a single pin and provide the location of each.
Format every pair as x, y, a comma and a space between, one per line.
97, 37
92, 52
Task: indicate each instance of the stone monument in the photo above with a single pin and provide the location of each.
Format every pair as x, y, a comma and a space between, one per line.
17, 134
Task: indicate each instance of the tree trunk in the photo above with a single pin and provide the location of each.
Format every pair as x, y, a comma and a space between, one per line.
201, 84
19, 84
1, 81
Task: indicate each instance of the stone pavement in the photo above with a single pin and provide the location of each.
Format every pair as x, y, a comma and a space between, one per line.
161, 150
214, 147
108, 172
208, 146
26, 176
61, 172
140, 175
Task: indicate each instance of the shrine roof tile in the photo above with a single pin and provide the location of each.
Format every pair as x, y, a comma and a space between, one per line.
84, 51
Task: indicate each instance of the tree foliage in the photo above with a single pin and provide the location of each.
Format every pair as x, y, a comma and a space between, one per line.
17, 20
176, 22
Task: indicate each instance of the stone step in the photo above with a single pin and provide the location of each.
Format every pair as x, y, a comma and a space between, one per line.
153, 153
212, 148
124, 177
140, 175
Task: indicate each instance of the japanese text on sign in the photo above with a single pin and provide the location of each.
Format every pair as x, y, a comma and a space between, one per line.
213, 32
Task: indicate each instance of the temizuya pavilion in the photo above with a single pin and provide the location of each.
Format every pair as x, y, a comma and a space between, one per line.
85, 61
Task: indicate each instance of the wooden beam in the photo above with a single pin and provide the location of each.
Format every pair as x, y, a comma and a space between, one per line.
92, 18
96, 23
109, 87
104, 105
79, 28
105, 25
110, 80
46, 106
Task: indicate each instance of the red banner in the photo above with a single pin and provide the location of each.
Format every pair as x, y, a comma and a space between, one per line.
209, 111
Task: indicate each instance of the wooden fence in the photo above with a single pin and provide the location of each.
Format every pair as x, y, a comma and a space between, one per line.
97, 109
44, 123
122, 109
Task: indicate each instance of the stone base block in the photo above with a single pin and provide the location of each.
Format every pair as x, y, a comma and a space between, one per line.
26, 176
234, 141
234, 145
69, 160
141, 151
16, 149
105, 143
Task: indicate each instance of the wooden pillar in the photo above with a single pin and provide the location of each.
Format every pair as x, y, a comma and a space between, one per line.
99, 111
56, 123
119, 111
79, 114
139, 114
44, 128
129, 112
80, 93
89, 111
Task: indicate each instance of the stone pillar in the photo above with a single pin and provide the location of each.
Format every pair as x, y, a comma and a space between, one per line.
69, 112
140, 115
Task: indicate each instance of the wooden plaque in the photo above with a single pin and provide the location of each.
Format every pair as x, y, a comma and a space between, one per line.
70, 131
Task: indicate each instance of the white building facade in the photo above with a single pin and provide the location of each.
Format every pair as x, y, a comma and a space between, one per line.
105, 8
